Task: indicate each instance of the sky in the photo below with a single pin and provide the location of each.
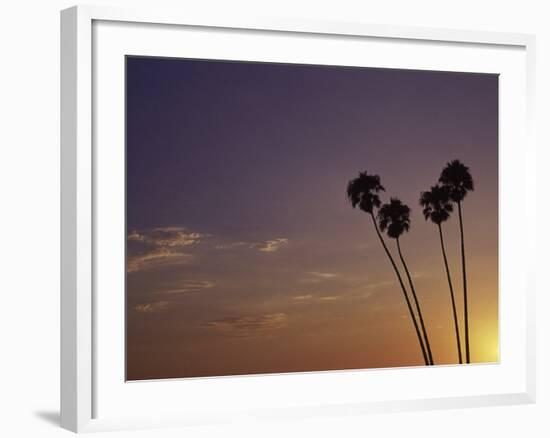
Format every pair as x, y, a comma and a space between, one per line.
244, 255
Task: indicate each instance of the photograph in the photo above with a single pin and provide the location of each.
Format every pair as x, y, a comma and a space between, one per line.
291, 218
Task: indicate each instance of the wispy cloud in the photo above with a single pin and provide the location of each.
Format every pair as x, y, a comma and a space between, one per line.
420, 275
302, 297
271, 245
317, 276
380, 284
231, 245
322, 275
160, 246
153, 307
309, 298
330, 298
167, 237
190, 286
326, 297
249, 326
155, 257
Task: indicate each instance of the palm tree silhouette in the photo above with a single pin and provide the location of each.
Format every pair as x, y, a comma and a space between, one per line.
363, 192
437, 207
394, 218
457, 179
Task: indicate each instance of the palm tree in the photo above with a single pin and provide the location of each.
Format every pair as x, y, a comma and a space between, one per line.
394, 218
437, 207
457, 179
363, 192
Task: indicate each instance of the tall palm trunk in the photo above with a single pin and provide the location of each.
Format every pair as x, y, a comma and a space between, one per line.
458, 346
424, 332
464, 282
402, 288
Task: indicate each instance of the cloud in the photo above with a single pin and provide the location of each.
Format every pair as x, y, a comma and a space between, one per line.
249, 326
420, 275
154, 307
168, 237
156, 257
136, 237
302, 297
310, 297
230, 245
190, 286
339, 290
381, 284
330, 298
323, 275
271, 245
317, 277
161, 245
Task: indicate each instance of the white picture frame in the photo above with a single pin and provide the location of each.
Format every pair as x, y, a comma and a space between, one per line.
79, 172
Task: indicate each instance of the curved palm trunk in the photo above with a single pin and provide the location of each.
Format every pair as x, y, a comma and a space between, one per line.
403, 289
464, 282
459, 348
424, 332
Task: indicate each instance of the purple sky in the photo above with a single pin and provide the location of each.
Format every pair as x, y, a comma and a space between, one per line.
243, 253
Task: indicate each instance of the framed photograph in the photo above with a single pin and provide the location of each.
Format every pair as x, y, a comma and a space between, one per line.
277, 218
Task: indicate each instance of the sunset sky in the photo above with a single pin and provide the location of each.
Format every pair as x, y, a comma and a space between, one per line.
244, 255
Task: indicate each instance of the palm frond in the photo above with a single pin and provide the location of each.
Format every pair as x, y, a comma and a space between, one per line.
437, 204
394, 218
457, 179
363, 191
